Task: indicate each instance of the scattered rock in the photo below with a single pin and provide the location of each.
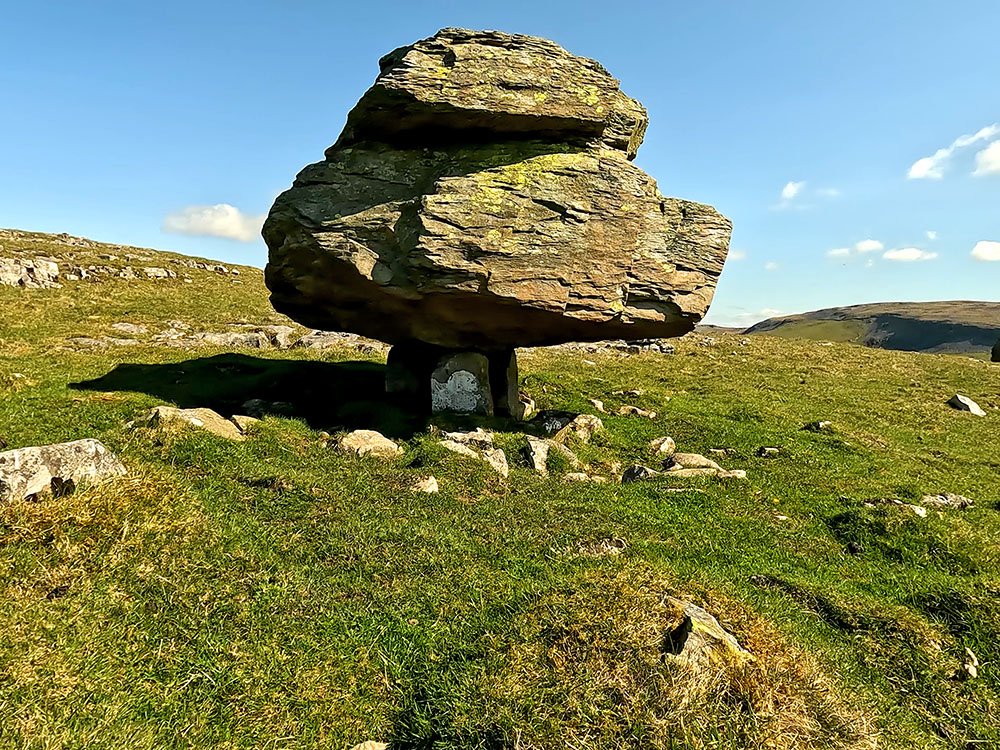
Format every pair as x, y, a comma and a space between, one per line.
36, 273
478, 438
497, 459
130, 328
693, 473
527, 405
371, 745
635, 392
26, 473
201, 418
819, 426
970, 666
916, 509
536, 453
460, 442
576, 476
964, 403
597, 404
699, 640
947, 500
663, 446
368, 443
768, 452
425, 484
635, 411
249, 340
607, 547
638, 472
677, 461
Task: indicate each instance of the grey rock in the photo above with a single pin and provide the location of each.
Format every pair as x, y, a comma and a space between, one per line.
368, 443
536, 453
947, 500
34, 273
699, 640
131, 328
57, 469
481, 197
637, 473
201, 419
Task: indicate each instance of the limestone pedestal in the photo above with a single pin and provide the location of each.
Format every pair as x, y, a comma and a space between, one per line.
438, 379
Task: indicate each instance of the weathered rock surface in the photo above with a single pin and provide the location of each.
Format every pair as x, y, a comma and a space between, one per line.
481, 197
369, 443
477, 444
56, 469
34, 273
201, 418
699, 640
964, 403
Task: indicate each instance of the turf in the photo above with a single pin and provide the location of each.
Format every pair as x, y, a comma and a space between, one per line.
276, 593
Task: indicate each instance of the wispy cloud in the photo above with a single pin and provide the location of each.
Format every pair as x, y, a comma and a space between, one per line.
220, 220
839, 252
868, 246
908, 255
771, 266
988, 160
931, 235
737, 255
932, 167
986, 250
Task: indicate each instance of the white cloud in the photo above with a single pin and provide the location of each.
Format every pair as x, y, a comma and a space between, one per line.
737, 255
220, 220
931, 235
839, 252
791, 189
932, 167
988, 160
771, 266
908, 255
986, 250
828, 192
770, 312
868, 246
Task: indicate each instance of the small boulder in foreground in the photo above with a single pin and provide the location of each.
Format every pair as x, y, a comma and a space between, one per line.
368, 443
60, 468
964, 403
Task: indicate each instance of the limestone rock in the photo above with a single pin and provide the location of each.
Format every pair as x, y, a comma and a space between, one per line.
947, 500
823, 425
480, 198
495, 457
428, 485
57, 469
129, 328
699, 640
36, 273
663, 446
635, 411
477, 438
677, 461
964, 403
368, 443
202, 419
243, 422
536, 453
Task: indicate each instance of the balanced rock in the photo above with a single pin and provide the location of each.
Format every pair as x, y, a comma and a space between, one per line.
482, 197
57, 469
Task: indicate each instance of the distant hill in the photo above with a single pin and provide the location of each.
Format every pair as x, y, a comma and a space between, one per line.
960, 327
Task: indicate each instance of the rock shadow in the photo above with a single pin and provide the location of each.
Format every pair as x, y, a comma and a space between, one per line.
325, 395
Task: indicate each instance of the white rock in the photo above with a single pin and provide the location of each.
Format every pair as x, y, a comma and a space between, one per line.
663, 446
26, 472
964, 403
425, 484
368, 443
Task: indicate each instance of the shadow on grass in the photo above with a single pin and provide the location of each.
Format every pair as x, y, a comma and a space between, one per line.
325, 395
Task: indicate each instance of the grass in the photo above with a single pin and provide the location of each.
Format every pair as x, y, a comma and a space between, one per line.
275, 593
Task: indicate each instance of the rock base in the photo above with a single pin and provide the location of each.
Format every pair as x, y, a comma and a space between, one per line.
437, 379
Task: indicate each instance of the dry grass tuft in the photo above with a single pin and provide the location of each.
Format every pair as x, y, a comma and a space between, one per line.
600, 650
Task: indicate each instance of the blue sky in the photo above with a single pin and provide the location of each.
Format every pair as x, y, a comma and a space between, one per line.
120, 116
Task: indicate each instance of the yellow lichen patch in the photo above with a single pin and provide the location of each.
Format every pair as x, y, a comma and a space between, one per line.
540, 96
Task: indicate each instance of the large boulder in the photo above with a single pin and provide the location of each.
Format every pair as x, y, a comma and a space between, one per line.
481, 197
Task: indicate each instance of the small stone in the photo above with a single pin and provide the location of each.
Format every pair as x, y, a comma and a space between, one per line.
202, 419
768, 452
690, 461
58, 469
635, 411
576, 476
130, 328
732, 474
820, 426
478, 438
493, 456
663, 446
425, 484
497, 459
527, 405
597, 404
637, 473
371, 745
947, 500
536, 453
964, 403
635, 392
699, 640
970, 666
368, 443
693, 473
609, 546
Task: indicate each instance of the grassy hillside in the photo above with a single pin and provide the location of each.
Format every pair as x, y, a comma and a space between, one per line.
275, 593
955, 327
